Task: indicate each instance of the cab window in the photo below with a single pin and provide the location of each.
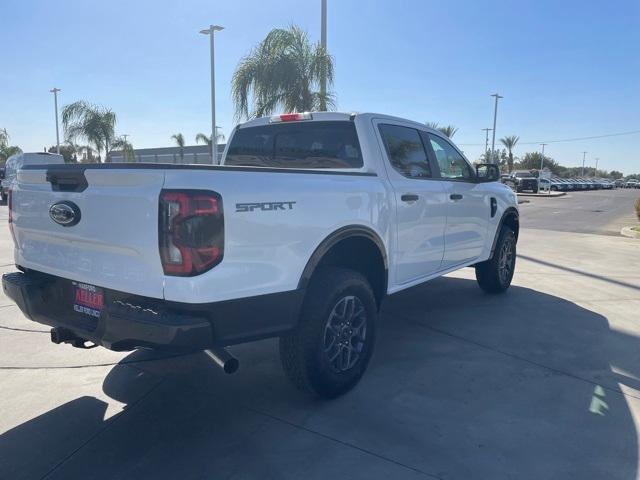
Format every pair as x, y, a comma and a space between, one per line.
406, 151
452, 165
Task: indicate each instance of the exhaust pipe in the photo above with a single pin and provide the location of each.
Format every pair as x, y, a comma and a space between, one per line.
223, 359
62, 335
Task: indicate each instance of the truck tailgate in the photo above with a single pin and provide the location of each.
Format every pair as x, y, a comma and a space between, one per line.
115, 243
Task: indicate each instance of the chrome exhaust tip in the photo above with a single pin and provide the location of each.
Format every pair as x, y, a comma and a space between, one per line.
223, 359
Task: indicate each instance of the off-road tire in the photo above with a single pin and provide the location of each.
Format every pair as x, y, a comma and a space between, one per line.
491, 274
302, 352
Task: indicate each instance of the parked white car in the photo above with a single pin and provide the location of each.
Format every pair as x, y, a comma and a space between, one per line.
15, 162
309, 223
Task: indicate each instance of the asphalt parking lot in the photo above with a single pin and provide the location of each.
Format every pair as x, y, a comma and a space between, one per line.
603, 212
542, 382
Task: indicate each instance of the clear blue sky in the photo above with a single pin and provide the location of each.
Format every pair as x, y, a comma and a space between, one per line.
566, 68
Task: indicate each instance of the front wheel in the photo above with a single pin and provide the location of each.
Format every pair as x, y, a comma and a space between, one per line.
495, 274
330, 349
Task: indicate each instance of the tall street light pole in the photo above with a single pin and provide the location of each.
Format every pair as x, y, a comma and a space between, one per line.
323, 44
542, 157
486, 143
584, 154
55, 91
596, 170
495, 116
214, 141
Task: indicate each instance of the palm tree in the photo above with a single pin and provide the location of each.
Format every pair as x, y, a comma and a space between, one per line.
7, 150
128, 154
202, 138
510, 143
85, 151
179, 139
4, 137
93, 123
282, 72
449, 130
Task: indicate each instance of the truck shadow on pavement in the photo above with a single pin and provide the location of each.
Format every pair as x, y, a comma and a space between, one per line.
462, 385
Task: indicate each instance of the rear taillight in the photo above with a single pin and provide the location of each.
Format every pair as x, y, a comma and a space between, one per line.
191, 231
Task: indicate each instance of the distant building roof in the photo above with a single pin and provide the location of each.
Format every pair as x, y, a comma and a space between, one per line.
190, 154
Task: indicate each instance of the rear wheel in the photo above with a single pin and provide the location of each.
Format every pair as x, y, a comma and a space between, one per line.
495, 274
330, 349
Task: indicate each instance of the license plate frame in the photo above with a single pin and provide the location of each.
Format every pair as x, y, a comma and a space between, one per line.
87, 299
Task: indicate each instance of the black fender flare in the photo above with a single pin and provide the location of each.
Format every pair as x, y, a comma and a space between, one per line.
509, 212
334, 238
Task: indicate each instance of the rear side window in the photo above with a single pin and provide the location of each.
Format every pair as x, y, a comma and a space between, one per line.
296, 145
406, 151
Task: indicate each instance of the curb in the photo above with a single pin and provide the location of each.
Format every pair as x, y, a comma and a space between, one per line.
543, 195
627, 232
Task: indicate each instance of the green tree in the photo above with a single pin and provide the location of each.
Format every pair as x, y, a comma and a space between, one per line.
448, 130
128, 153
531, 161
67, 151
283, 71
93, 123
85, 151
202, 138
178, 138
7, 150
206, 139
499, 157
510, 143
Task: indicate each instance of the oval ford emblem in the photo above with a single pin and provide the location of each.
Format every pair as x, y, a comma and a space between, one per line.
65, 213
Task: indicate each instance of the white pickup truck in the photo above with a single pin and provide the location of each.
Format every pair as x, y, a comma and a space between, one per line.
310, 221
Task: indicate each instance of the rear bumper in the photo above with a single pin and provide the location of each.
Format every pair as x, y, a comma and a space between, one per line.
129, 321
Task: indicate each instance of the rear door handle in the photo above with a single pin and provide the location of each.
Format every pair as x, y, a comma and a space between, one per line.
409, 197
455, 196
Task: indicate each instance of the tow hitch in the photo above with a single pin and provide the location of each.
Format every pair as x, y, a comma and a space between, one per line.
62, 335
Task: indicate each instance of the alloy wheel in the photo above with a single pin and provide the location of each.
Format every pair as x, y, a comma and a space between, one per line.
345, 333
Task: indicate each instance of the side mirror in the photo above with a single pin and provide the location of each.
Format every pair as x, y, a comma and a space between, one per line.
487, 172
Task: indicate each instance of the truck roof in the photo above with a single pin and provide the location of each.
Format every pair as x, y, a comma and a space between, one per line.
337, 116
